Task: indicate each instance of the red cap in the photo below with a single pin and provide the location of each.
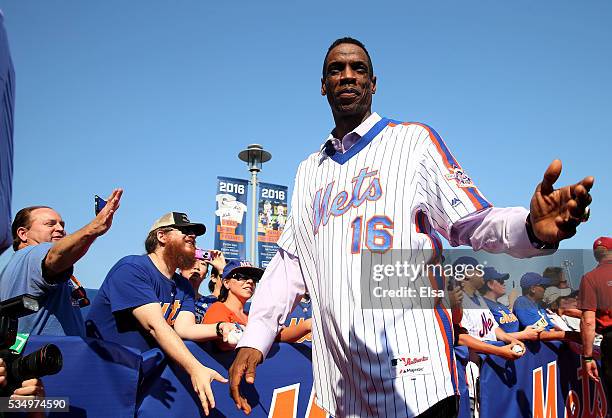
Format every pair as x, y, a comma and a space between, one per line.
603, 242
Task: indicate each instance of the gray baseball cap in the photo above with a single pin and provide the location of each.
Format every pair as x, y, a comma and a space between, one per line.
178, 219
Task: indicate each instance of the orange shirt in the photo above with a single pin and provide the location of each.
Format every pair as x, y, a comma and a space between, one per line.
218, 312
596, 294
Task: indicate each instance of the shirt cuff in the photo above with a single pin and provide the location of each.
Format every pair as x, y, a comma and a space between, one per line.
519, 243
257, 335
496, 230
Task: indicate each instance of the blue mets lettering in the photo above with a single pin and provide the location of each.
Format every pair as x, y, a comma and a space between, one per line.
341, 202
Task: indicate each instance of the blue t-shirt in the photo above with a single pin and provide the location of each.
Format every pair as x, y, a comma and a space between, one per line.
202, 305
57, 315
529, 313
135, 281
504, 317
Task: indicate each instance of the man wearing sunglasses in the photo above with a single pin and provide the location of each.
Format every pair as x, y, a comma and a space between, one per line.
144, 303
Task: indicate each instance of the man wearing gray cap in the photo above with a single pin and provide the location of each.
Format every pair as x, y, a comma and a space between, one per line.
144, 303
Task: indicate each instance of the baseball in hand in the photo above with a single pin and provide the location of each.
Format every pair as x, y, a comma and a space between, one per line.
517, 349
234, 336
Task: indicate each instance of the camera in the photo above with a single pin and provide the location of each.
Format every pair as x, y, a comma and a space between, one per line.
205, 255
45, 361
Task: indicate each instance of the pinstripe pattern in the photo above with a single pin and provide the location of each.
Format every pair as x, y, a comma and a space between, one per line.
353, 347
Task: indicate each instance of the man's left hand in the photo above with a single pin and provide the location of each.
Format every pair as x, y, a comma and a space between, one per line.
29, 389
555, 213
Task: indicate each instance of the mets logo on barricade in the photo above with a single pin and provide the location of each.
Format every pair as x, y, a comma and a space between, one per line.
591, 403
460, 177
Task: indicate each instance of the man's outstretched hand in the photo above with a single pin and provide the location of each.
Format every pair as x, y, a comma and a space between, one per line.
555, 213
244, 365
103, 220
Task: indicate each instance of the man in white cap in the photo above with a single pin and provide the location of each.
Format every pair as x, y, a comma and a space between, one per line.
144, 303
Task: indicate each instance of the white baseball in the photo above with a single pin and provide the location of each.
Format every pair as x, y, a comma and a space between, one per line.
517, 349
234, 336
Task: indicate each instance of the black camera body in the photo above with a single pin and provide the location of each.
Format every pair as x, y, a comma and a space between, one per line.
44, 361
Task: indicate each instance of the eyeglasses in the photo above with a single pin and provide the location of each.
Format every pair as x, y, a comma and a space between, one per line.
243, 277
500, 281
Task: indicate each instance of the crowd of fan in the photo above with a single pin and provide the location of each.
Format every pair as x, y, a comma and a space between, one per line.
154, 299
146, 301
546, 310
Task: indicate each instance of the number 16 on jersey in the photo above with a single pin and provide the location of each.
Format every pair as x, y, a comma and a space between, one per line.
376, 234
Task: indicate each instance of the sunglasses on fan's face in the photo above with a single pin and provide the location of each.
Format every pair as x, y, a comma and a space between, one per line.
243, 277
185, 230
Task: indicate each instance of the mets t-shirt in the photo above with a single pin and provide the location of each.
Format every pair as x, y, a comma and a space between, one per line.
529, 313
503, 316
132, 282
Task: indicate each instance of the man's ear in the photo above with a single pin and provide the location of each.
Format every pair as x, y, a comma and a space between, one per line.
22, 234
373, 84
323, 88
161, 237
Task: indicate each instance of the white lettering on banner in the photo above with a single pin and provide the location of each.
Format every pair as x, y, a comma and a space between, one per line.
273, 194
231, 187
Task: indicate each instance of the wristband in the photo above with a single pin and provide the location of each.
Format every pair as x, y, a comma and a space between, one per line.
587, 359
219, 332
535, 241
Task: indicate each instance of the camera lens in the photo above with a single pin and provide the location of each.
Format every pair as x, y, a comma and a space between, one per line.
45, 361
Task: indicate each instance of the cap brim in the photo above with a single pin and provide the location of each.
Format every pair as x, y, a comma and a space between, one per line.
199, 229
499, 276
253, 272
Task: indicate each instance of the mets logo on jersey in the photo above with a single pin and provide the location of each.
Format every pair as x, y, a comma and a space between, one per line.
170, 311
487, 325
460, 177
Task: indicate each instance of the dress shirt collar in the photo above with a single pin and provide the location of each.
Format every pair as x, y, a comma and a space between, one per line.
333, 144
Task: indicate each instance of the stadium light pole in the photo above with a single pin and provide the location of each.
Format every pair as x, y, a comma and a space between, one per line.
254, 156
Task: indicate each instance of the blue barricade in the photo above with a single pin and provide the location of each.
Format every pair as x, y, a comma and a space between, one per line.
546, 382
100, 378
104, 379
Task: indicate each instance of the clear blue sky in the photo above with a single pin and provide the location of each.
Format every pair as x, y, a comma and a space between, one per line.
159, 97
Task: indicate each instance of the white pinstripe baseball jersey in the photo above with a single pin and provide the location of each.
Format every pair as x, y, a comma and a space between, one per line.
477, 318
394, 188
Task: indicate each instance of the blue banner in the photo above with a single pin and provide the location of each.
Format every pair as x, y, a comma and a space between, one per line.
547, 382
105, 379
271, 218
230, 217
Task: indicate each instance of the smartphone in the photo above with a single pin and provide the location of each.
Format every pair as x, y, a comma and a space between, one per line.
99, 203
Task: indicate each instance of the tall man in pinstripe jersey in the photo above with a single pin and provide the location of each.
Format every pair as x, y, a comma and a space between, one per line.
378, 184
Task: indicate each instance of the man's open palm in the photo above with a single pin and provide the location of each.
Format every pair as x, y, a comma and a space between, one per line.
555, 213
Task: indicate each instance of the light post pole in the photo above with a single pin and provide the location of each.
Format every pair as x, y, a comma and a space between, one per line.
254, 156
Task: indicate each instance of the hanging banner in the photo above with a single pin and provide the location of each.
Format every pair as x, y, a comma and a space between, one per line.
271, 218
230, 217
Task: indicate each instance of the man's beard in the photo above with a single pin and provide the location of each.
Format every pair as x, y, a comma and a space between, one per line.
176, 255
